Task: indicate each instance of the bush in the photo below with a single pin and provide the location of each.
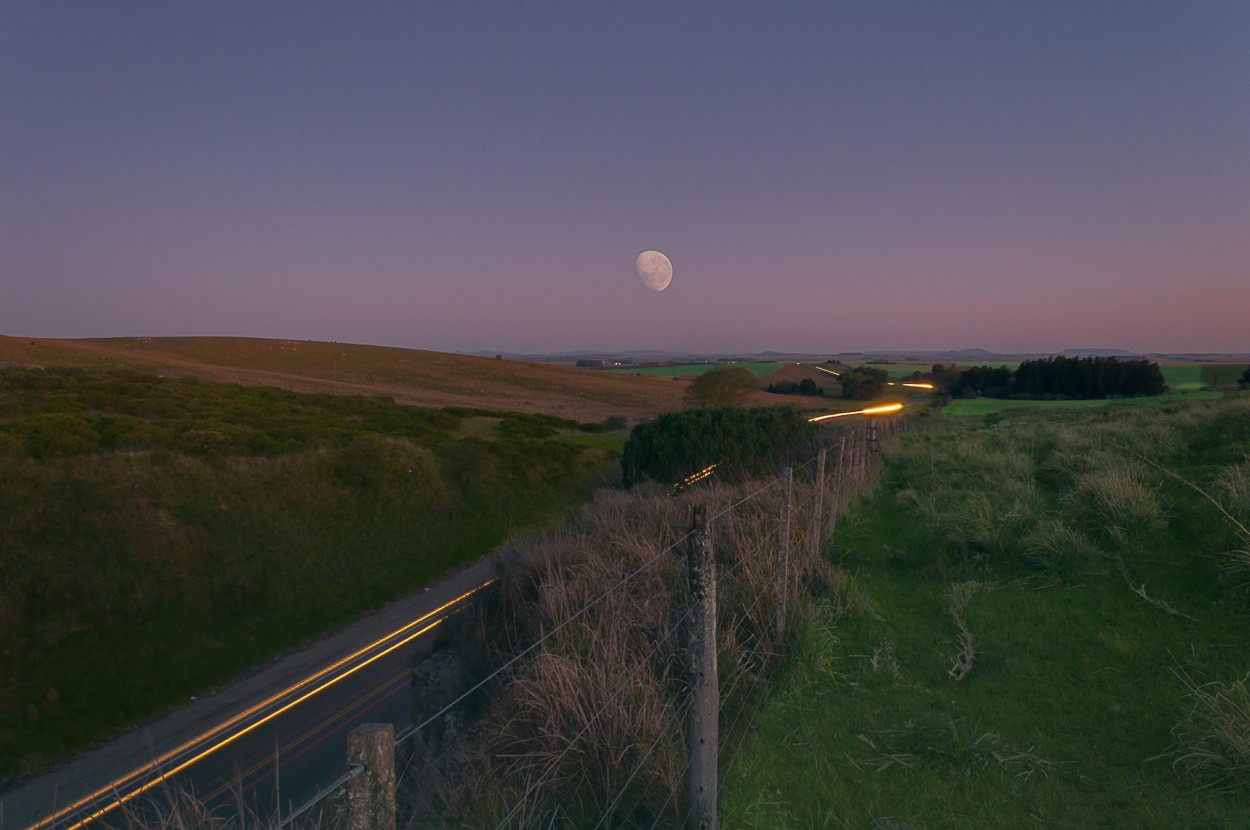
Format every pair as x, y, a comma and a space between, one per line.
725, 386
744, 441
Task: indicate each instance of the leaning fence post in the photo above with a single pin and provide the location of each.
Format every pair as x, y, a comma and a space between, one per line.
371, 795
785, 556
704, 682
839, 489
816, 509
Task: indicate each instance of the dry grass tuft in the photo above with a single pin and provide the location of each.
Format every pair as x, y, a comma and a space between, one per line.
1213, 740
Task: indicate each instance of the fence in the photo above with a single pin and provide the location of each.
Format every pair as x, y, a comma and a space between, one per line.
626, 682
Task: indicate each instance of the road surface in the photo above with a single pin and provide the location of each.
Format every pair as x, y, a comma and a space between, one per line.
278, 732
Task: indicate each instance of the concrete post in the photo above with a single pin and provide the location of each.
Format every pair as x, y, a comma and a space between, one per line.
704, 681
371, 794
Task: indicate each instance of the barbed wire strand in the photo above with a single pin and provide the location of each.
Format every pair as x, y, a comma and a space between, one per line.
414, 729
643, 663
679, 712
351, 773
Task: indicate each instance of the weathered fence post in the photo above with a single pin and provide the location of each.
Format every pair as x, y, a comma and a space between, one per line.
816, 509
874, 444
704, 682
785, 556
839, 489
371, 795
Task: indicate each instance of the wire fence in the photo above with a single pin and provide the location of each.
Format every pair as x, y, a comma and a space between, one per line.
575, 703
561, 741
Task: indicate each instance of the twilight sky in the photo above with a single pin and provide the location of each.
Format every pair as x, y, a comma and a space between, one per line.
462, 175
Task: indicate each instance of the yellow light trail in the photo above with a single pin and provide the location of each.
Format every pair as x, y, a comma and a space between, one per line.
113, 786
872, 410
918, 385
827, 371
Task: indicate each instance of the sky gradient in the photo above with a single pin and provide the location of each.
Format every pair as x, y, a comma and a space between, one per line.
462, 176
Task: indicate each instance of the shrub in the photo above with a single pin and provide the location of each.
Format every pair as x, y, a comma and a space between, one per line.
1213, 739
747, 441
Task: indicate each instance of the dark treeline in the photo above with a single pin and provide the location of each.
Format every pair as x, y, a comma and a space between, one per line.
744, 441
1054, 378
806, 386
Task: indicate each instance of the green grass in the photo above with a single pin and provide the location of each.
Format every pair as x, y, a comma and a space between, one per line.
143, 562
1081, 692
986, 406
760, 369
1221, 374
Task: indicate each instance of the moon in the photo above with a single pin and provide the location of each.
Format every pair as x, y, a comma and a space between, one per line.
655, 269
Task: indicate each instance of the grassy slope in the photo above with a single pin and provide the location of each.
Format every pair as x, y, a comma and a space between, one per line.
692, 369
408, 375
134, 578
1076, 685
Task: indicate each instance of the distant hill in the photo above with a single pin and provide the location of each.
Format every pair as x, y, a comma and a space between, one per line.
1098, 353
410, 376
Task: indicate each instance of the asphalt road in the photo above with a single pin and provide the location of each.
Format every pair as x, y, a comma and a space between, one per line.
272, 738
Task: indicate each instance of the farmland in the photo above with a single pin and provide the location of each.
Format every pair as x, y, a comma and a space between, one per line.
409, 376
695, 369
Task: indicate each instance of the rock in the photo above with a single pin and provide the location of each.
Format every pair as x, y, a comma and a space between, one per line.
889, 823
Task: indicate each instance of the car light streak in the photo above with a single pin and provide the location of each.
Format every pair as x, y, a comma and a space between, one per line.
695, 478
826, 371
320, 731
918, 385
872, 410
114, 786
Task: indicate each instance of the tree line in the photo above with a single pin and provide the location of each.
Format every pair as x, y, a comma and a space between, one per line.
1053, 378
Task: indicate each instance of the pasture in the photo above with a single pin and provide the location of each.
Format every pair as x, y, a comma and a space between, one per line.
1042, 624
696, 369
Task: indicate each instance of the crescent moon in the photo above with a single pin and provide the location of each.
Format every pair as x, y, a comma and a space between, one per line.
655, 269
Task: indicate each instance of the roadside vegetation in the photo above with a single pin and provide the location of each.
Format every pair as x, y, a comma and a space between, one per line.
159, 535
1048, 623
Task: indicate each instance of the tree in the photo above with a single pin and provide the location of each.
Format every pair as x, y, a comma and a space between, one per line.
1244, 380
863, 383
740, 441
724, 386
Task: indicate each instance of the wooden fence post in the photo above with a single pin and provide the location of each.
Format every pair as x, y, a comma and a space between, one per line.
839, 489
819, 487
371, 794
785, 557
704, 681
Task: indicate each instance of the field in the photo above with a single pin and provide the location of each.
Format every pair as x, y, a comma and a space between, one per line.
1047, 626
162, 534
409, 376
693, 369
1186, 381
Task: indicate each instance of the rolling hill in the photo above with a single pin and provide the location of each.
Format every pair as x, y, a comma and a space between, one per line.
409, 376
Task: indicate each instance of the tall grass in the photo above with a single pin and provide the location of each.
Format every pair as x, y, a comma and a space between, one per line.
591, 725
1213, 739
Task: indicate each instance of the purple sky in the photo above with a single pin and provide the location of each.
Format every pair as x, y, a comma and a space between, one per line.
462, 175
